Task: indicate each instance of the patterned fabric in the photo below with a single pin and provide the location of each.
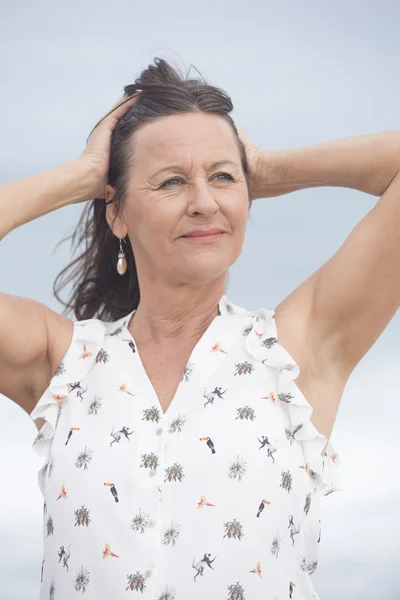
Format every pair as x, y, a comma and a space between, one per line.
218, 498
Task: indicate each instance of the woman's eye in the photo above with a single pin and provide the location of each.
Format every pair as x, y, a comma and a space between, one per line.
226, 175
169, 181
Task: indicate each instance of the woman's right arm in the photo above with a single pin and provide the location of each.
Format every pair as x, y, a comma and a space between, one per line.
34, 338
27, 341
75, 181
27, 199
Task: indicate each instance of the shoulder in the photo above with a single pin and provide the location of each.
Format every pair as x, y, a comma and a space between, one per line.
229, 309
62, 331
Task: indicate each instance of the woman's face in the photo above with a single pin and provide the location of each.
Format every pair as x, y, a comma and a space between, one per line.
174, 189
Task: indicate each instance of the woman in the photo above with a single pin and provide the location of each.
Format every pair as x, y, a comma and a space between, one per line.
186, 438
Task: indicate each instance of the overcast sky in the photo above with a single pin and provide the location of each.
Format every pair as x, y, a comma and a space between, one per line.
298, 74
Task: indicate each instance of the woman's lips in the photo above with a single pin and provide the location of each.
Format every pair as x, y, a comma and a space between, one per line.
201, 239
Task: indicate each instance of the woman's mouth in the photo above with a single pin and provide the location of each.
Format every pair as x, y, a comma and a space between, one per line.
203, 239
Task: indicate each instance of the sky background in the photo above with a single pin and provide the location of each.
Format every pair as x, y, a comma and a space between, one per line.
298, 74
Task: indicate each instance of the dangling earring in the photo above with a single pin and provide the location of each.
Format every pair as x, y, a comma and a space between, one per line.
121, 264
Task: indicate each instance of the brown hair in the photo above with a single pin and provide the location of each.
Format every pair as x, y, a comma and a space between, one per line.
99, 291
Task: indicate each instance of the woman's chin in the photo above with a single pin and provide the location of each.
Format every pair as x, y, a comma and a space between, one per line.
202, 272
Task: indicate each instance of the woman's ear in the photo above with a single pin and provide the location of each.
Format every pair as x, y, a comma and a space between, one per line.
114, 219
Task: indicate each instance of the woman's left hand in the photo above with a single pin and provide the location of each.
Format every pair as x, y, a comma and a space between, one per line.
257, 165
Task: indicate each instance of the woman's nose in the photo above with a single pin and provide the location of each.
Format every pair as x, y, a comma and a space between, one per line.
201, 198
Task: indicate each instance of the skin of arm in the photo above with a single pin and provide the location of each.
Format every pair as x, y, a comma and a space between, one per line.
331, 320
367, 163
27, 199
347, 303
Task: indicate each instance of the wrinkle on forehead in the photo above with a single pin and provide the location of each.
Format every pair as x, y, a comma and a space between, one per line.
185, 139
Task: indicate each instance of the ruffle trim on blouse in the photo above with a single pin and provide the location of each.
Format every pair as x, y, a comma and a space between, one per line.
262, 344
87, 339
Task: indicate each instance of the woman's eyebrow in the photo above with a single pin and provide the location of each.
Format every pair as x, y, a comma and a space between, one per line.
178, 167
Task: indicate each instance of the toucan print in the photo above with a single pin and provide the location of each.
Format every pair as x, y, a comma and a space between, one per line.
112, 490
210, 443
70, 433
262, 506
130, 344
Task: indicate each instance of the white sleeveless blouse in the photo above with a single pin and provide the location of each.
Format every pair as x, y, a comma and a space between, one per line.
217, 499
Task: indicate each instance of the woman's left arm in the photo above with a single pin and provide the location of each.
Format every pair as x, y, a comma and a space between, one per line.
367, 163
347, 303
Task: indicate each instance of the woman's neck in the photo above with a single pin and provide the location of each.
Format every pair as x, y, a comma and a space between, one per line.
158, 320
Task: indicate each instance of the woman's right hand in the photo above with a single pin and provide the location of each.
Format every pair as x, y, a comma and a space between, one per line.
97, 151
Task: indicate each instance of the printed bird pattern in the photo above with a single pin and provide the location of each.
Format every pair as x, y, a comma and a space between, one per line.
217, 498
